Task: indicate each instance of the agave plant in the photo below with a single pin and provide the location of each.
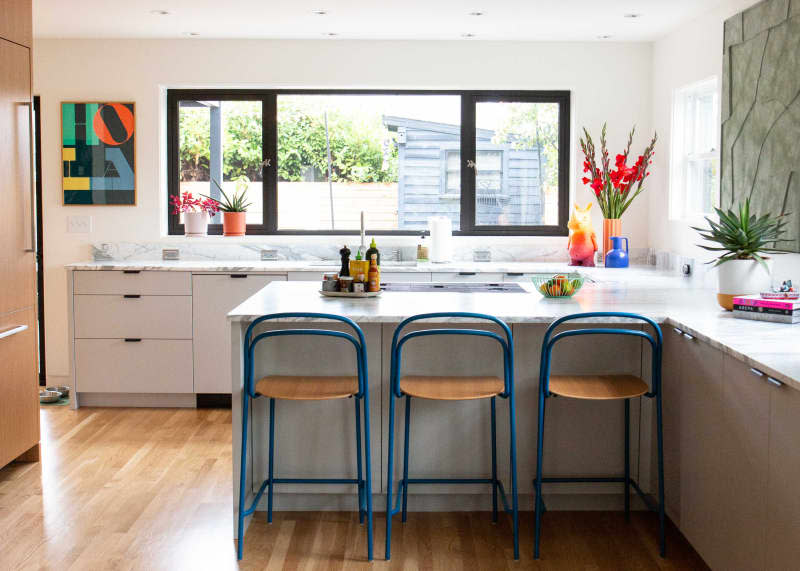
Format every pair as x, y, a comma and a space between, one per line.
743, 236
238, 201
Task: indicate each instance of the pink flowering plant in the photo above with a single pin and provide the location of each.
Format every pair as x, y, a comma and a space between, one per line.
186, 202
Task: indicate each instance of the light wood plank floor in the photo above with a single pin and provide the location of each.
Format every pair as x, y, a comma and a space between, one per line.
151, 489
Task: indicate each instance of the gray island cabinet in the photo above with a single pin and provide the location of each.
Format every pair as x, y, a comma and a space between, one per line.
730, 418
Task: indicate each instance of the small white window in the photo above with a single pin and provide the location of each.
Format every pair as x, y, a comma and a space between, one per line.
694, 164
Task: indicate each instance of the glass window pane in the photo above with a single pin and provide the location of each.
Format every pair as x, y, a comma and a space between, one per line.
222, 140
516, 157
388, 155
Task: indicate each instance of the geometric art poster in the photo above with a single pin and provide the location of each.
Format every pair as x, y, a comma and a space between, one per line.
97, 153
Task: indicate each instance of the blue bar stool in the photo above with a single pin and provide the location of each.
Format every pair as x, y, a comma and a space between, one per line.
306, 387
601, 387
452, 388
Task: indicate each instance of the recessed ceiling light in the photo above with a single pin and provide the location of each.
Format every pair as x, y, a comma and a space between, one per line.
320, 12
477, 13
330, 34
605, 37
468, 35
160, 12
191, 34
632, 16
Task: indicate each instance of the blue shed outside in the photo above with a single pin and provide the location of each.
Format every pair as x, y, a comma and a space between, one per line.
508, 184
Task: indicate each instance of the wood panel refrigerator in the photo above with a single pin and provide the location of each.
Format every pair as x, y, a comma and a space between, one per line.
19, 406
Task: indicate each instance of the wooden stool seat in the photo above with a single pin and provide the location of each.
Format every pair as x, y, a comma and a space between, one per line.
451, 388
597, 387
301, 387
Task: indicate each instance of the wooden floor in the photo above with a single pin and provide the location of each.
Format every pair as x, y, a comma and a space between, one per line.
151, 489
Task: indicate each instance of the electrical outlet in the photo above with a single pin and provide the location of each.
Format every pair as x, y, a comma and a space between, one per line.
269, 255
481, 255
79, 224
170, 254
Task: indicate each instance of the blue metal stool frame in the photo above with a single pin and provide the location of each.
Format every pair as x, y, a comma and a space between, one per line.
656, 342
508, 393
364, 483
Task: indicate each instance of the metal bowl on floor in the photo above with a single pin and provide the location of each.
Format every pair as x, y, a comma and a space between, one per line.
49, 396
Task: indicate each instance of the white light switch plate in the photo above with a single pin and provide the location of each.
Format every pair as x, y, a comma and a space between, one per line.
79, 224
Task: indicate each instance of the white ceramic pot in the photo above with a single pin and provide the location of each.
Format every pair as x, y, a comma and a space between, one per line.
195, 224
741, 277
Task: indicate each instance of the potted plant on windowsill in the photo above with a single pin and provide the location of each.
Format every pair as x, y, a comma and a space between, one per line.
196, 213
744, 238
234, 208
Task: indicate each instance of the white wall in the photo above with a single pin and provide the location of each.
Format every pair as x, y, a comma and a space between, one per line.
609, 82
691, 53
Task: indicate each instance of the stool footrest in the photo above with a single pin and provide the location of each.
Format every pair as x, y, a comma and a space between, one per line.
265, 484
648, 501
401, 485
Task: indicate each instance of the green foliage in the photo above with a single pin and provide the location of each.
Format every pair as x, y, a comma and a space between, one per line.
528, 126
357, 143
355, 139
743, 236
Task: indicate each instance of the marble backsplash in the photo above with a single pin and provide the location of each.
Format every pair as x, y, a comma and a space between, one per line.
214, 249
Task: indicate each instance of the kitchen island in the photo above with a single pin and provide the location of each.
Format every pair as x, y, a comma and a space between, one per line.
731, 409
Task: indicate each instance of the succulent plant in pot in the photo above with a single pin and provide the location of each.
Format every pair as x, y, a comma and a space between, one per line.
234, 207
742, 242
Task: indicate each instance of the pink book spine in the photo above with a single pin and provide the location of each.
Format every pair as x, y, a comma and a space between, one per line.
791, 304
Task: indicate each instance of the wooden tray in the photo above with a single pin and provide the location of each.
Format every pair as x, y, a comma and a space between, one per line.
350, 293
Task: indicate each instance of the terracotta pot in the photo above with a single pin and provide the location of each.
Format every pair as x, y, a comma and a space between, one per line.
741, 277
234, 223
195, 224
611, 227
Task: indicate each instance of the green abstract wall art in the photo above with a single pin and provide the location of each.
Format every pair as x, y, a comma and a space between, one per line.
760, 154
98, 142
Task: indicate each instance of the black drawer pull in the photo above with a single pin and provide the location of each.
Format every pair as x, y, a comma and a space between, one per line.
515, 274
238, 275
132, 340
466, 273
131, 296
131, 271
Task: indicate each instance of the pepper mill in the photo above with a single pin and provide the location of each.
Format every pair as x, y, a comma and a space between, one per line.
345, 253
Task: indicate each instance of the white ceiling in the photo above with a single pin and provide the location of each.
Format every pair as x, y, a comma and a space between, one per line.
547, 20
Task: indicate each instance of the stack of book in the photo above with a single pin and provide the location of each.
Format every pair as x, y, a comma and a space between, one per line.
758, 308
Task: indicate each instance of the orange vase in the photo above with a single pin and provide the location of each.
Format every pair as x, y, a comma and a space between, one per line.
611, 227
234, 223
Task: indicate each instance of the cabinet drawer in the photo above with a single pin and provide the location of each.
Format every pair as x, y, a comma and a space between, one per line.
146, 366
135, 282
388, 277
482, 277
146, 317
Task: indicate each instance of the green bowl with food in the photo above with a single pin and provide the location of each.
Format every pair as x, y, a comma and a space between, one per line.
558, 285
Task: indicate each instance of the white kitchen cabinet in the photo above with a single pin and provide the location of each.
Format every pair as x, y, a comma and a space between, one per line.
388, 276
213, 296
142, 282
454, 277
145, 316
702, 436
133, 366
783, 501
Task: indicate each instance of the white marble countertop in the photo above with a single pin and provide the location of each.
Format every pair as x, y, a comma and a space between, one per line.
669, 300
284, 266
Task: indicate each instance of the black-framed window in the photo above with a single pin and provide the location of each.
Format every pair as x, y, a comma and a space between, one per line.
495, 162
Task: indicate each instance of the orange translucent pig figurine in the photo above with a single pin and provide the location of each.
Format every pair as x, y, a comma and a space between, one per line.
582, 242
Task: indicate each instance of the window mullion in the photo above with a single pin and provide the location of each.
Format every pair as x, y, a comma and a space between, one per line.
468, 221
